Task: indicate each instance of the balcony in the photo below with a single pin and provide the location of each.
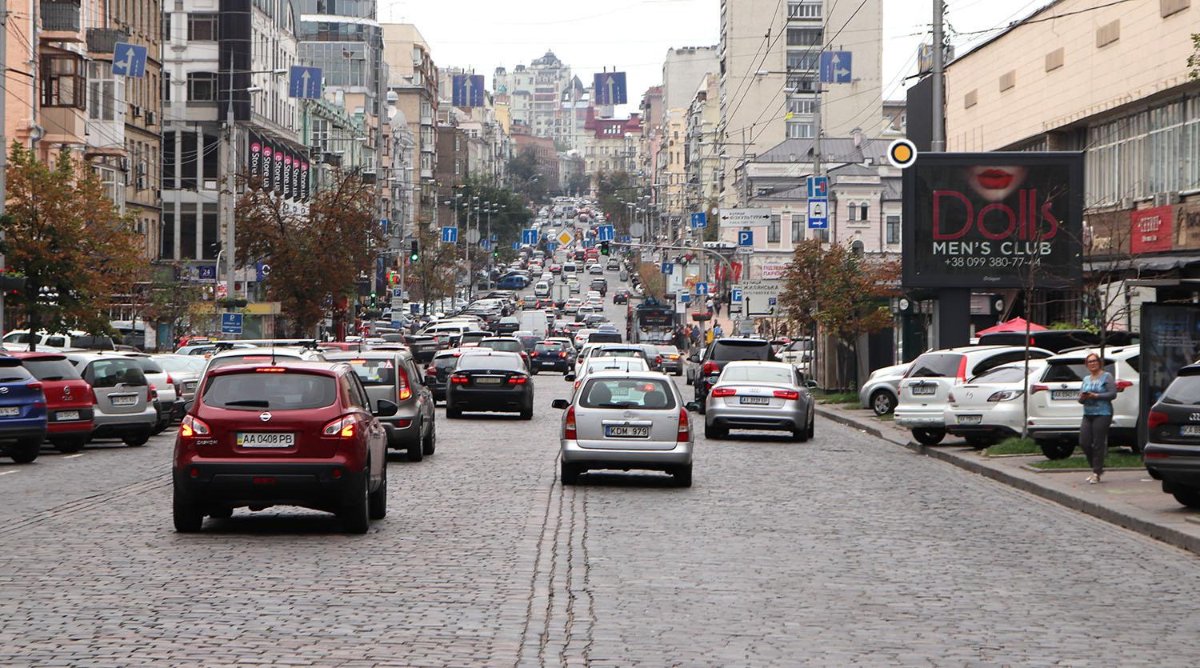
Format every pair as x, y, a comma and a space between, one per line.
103, 40
60, 20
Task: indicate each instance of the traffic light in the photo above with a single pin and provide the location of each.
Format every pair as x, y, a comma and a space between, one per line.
12, 286
496, 254
414, 253
604, 248
373, 302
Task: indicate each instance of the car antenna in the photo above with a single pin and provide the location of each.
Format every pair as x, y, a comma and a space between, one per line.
272, 352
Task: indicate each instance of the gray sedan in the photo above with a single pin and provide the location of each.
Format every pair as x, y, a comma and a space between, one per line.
761, 396
626, 420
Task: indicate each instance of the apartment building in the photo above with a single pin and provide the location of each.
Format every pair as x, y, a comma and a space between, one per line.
547, 98
702, 160
413, 83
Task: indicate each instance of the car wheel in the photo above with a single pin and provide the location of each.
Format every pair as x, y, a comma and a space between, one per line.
355, 515
569, 473
429, 444
1057, 449
527, 412
69, 444
1189, 498
678, 372
714, 433
416, 449
25, 450
452, 412
136, 440
801, 434
377, 500
533, 371
883, 402
220, 513
187, 515
683, 475
979, 441
812, 423
929, 436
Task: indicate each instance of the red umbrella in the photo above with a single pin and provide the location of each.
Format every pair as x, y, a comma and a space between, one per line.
1015, 325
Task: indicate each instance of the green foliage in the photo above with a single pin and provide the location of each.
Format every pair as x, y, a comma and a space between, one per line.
510, 215
613, 190
1014, 446
654, 284
1193, 61
1115, 459
528, 175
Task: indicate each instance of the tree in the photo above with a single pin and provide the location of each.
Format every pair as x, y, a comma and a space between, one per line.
840, 292
528, 175
171, 302
654, 284
312, 254
613, 190
435, 273
68, 240
1193, 61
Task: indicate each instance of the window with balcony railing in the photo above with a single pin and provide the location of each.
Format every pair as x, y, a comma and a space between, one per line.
804, 10
60, 15
803, 60
64, 83
805, 36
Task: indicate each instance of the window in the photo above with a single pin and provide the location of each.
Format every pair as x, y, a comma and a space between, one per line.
202, 86
773, 229
202, 28
798, 223
102, 91
800, 130
804, 10
802, 105
802, 60
893, 229
858, 211
804, 36
63, 81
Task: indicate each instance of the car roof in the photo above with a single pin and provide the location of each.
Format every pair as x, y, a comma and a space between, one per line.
1117, 353
366, 354
759, 363
324, 368
277, 350
631, 375
26, 355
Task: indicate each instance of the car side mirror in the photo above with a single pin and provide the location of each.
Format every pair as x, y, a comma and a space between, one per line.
385, 408
568, 376
187, 405
694, 358
810, 384
561, 404
693, 406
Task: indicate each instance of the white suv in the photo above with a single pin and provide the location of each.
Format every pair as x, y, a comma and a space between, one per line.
1054, 408
925, 388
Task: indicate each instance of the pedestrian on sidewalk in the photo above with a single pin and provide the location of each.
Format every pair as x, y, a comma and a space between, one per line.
1096, 394
718, 331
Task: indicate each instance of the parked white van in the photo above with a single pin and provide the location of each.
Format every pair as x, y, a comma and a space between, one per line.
18, 340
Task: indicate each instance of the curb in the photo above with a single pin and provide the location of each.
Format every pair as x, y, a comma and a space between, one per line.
1120, 518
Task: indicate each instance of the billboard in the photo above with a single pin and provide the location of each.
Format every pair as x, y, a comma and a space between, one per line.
1170, 340
993, 220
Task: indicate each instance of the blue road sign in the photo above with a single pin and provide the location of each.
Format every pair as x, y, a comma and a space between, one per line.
449, 235
486, 244
625, 239
685, 298
818, 186
699, 220
589, 243
745, 237
304, 82
818, 213
207, 272
529, 237
467, 90
516, 245
835, 67
608, 88
231, 323
702, 288
129, 60
261, 271
735, 296
668, 268
384, 223
607, 233
551, 247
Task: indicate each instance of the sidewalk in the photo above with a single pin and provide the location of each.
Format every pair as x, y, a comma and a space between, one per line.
1130, 499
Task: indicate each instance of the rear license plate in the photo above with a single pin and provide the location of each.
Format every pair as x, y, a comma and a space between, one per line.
68, 415
547, 363
755, 401
265, 440
970, 419
1066, 395
924, 389
487, 381
1190, 430
626, 431
10, 411
124, 400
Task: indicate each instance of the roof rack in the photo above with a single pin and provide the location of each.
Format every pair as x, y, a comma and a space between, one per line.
266, 343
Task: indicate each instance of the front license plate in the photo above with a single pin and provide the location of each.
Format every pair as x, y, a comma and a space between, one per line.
124, 400
924, 390
10, 411
970, 419
626, 431
265, 440
68, 415
1065, 395
487, 381
755, 401
1190, 430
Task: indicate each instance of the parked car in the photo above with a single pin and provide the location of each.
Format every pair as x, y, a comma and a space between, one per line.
393, 375
991, 406
1054, 409
294, 433
19, 339
881, 390
1172, 452
490, 381
165, 394
798, 353
761, 396
22, 412
626, 420
70, 402
1059, 340
717, 354
185, 372
124, 405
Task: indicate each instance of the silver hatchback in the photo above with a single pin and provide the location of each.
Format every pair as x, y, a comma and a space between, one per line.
626, 421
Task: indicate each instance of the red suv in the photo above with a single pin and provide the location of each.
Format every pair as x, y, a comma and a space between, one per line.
297, 433
70, 402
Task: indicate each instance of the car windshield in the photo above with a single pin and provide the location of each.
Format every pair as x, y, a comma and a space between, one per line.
490, 363
618, 364
51, 369
731, 351
445, 361
373, 372
148, 365
113, 372
505, 346
14, 373
1068, 371
1001, 374
251, 358
1183, 390
610, 352
647, 393
936, 365
549, 347
276, 391
757, 374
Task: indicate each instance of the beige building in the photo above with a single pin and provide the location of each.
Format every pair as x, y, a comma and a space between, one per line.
413, 83
702, 158
769, 85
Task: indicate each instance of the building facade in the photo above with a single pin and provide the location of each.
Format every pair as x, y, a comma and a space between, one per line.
413, 82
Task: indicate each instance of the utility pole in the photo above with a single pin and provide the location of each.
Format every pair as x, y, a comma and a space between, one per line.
228, 160
938, 143
3, 138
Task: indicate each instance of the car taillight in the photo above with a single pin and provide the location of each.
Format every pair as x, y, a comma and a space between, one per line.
1156, 419
658, 360
951, 398
1122, 384
459, 379
1034, 389
533, 354
685, 427
569, 432
724, 392
92, 392
962, 369
431, 370
403, 390
170, 380
151, 392
710, 367
789, 395
340, 428
192, 427
518, 380
563, 355
37, 387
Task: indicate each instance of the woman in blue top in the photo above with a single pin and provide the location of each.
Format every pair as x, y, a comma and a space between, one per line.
1096, 394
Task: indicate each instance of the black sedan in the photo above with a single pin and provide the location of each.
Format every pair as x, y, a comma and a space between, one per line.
491, 382
552, 356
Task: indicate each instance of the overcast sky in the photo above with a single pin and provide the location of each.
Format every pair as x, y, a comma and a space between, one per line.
634, 35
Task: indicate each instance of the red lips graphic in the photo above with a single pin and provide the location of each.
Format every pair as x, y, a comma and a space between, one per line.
994, 179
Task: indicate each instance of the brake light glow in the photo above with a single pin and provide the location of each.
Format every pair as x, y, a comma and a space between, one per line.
1034, 389
563, 355
1156, 419
658, 360
340, 428
685, 427
1122, 384
458, 379
569, 432
533, 354
403, 391
710, 367
724, 392
192, 427
270, 369
431, 370
962, 369
518, 380
789, 395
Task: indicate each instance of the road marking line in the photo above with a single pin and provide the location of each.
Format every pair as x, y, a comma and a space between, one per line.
73, 456
7, 472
